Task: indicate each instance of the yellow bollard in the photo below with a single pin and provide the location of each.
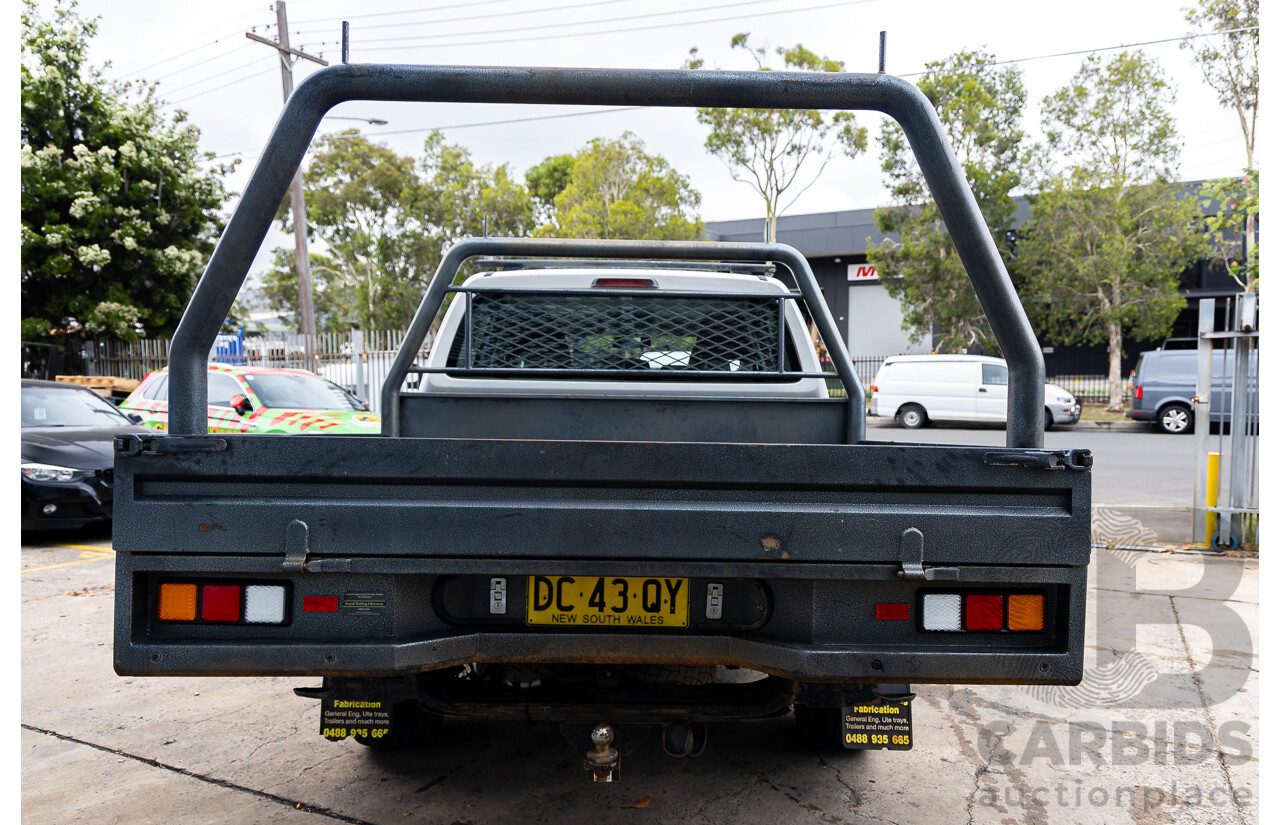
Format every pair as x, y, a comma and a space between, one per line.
1211, 499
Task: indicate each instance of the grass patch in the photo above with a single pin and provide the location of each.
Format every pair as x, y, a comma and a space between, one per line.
1098, 412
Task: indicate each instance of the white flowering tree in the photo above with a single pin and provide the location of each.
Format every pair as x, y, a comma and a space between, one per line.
119, 209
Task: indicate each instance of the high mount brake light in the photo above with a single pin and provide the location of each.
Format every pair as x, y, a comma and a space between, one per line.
626, 283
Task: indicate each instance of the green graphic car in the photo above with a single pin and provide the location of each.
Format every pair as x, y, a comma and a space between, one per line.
261, 400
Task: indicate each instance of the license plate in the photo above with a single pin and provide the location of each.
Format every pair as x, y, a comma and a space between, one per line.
607, 601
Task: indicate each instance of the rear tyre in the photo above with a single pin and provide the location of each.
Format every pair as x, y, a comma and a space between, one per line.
411, 727
912, 416
1175, 419
1048, 419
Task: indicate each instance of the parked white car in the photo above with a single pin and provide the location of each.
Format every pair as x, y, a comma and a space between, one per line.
917, 389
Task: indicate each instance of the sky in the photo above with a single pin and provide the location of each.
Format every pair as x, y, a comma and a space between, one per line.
231, 86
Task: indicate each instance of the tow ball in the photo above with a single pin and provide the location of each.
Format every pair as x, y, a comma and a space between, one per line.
604, 762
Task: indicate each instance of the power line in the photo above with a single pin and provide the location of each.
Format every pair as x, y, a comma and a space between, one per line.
403, 11
602, 20
512, 13
376, 48
635, 108
223, 86
1092, 51
197, 64
224, 73
493, 122
185, 52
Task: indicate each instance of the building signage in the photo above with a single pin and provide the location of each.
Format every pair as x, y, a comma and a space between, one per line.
859, 273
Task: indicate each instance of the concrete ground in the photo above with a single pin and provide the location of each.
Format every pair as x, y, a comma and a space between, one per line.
1162, 730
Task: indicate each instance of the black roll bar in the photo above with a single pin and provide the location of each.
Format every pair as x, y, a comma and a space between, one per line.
328, 87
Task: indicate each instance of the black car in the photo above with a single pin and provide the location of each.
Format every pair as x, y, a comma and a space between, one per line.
66, 454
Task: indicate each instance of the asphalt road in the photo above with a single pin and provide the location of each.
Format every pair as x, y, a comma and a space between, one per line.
1163, 730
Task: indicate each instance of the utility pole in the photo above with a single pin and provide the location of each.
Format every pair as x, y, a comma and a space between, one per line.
302, 260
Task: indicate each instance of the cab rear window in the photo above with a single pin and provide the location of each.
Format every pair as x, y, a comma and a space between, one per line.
649, 333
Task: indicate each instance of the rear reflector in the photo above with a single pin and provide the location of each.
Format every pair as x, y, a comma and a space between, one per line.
983, 612
1026, 612
177, 603
320, 604
264, 604
893, 611
941, 611
220, 603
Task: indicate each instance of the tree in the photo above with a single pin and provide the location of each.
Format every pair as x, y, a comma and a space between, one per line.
1231, 230
767, 148
120, 210
615, 189
384, 221
980, 108
544, 182
1110, 234
1229, 61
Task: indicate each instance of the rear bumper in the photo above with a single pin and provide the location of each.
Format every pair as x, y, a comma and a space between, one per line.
821, 625
1141, 415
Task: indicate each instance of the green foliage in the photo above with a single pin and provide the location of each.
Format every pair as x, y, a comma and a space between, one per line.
36, 329
110, 319
980, 108
1229, 62
767, 148
385, 220
1110, 233
547, 180
1113, 123
614, 189
1237, 200
117, 209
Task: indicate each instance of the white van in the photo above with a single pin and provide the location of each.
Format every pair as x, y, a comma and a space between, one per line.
917, 389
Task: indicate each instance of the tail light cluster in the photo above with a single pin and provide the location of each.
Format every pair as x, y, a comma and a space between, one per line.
983, 612
1137, 393
222, 603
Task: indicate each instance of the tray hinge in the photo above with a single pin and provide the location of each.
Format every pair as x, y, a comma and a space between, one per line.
1041, 459
297, 546
911, 546
130, 444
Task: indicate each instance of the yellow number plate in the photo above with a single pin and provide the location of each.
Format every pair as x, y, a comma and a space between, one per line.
607, 601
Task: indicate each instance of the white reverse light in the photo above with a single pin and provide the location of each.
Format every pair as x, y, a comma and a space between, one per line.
264, 604
941, 611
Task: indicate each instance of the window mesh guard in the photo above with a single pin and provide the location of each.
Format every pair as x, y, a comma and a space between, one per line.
623, 334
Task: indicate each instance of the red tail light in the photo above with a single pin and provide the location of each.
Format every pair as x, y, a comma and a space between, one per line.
1137, 393
983, 612
626, 283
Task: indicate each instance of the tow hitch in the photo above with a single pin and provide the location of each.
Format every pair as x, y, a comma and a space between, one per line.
604, 762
